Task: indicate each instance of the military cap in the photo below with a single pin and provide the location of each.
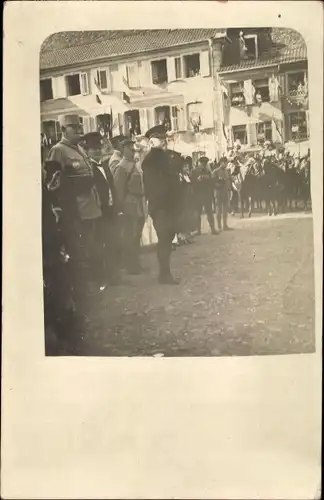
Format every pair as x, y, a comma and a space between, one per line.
158, 132
66, 120
118, 140
92, 140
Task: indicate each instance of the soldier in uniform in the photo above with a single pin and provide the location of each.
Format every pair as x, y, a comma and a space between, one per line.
80, 207
162, 190
222, 182
131, 204
204, 193
107, 233
116, 155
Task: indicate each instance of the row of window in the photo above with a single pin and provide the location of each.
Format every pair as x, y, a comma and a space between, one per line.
296, 130
135, 122
160, 72
267, 90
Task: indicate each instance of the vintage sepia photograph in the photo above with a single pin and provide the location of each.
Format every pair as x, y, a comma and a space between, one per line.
176, 200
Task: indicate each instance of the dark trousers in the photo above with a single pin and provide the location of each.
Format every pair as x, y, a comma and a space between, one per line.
107, 236
205, 204
132, 228
165, 228
222, 207
85, 254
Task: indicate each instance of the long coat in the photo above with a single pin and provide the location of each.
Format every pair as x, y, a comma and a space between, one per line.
161, 183
129, 188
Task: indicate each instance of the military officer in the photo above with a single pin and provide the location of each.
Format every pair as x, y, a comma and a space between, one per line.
162, 190
81, 205
116, 155
131, 204
106, 233
222, 182
204, 193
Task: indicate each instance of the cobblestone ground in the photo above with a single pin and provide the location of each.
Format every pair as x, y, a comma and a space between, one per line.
249, 291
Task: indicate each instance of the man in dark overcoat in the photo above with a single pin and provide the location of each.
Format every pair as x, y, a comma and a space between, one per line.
162, 190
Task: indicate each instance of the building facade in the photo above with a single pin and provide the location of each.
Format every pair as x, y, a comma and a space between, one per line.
132, 83
265, 90
211, 87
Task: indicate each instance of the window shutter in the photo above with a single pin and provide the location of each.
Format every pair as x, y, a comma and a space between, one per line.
59, 87
92, 124
181, 119
145, 74
143, 120
132, 75
93, 79
86, 124
171, 69
204, 63
150, 118
84, 83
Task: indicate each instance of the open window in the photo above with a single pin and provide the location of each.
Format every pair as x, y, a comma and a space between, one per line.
46, 89
240, 134
298, 126
191, 65
103, 79
261, 90
77, 84
132, 118
159, 72
163, 116
251, 43
194, 112
237, 94
297, 84
51, 132
264, 131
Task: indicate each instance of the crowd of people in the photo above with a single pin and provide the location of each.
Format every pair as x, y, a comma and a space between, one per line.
97, 195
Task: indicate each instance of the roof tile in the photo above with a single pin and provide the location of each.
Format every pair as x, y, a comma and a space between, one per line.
124, 45
287, 55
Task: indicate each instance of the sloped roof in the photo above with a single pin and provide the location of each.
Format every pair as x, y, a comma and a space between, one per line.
286, 55
123, 45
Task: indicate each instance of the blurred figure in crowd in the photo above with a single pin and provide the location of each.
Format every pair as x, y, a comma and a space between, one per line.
131, 203
222, 185
107, 224
203, 190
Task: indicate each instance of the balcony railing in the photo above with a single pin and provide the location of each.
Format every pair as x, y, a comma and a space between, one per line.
301, 135
297, 93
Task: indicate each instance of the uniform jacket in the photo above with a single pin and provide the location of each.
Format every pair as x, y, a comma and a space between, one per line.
129, 188
77, 178
161, 182
221, 178
202, 180
114, 160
